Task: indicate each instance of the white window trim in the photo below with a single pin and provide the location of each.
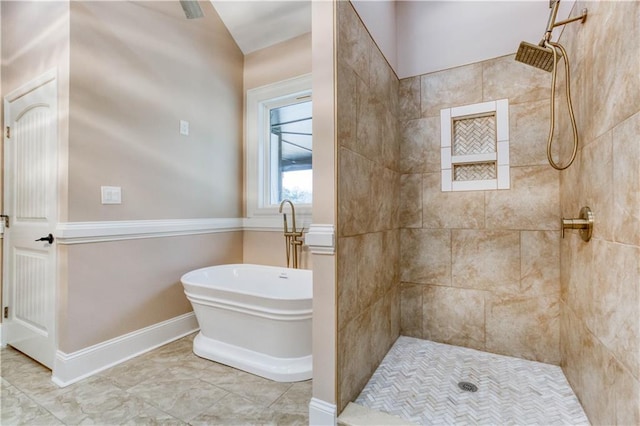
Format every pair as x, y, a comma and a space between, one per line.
255, 161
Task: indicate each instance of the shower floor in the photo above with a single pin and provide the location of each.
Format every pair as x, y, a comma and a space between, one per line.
418, 381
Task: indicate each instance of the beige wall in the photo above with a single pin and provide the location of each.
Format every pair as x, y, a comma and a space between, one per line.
368, 246
276, 63
481, 268
118, 287
137, 69
600, 321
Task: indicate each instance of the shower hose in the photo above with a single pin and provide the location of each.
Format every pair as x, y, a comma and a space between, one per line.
554, 48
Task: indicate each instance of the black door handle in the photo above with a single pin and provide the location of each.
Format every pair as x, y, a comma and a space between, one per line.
48, 238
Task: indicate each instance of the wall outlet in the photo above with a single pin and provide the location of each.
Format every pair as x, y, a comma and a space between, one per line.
184, 127
111, 194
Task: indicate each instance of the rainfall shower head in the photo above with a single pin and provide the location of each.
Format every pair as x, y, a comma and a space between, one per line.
191, 9
535, 55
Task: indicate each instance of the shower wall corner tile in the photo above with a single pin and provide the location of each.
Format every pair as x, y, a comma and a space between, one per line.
453, 87
504, 77
409, 98
524, 327
448, 210
348, 253
371, 271
368, 123
486, 260
354, 193
626, 181
411, 201
532, 202
411, 310
454, 316
354, 358
346, 92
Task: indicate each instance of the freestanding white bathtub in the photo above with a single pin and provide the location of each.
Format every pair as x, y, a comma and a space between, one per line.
255, 318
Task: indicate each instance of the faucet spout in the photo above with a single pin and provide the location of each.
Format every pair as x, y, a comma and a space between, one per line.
293, 213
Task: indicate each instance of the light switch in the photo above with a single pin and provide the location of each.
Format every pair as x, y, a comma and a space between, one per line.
184, 127
111, 195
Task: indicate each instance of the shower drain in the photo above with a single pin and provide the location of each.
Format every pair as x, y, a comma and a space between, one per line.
468, 387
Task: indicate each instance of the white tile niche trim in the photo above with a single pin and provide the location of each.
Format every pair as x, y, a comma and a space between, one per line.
500, 109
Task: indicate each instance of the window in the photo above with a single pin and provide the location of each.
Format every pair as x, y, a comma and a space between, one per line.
279, 146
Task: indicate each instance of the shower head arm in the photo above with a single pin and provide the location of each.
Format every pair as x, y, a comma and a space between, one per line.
551, 24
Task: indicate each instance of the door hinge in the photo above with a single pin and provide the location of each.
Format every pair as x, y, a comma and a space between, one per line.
8, 132
5, 219
6, 312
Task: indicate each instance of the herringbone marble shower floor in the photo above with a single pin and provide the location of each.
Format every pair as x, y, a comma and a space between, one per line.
418, 381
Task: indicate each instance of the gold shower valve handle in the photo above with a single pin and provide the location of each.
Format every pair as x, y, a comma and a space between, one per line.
584, 224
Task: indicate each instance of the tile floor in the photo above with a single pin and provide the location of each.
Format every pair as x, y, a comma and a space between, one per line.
418, 382
167, 386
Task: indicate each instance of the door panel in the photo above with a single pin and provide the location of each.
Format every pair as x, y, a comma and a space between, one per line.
30, 194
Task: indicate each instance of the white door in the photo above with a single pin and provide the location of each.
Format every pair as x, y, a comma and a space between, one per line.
30, 200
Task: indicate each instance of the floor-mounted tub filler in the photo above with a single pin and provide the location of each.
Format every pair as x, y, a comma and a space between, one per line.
254, 318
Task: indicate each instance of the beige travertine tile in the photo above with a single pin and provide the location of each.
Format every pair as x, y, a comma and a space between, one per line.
425, 256
540, 263
368, 123
390, 144
626, 181
571, 347
393, 297
454, 316
383, 80
528, 131
353, 45
613, 83
381, 339
390, 260
411, 201
354, 358
354, 193
411, 310
420, 145
450, 209
348, 253
370, 269
385, 198
627, 391
532, 203
450, 88
616, 294
409, 98
524, 327
504, 77
597, 185
486, 260
346, 93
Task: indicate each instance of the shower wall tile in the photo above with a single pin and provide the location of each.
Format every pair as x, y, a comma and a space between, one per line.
504, 77
354, 192
486, 260
454, 316
452, 87
411, 310
353, 42
532, 203
615, 321
626, 181
425, 256
528, 128
385, 198
409, 98
348, 251
540, 263
354, 357
368, 122
346, 94
627, 391
525, 327
596, 184
614, 68
390, 141
384, 82
420, 145
448, 210
411, 201
370, 269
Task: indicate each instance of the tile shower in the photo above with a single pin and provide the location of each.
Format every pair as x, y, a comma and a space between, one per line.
487, 269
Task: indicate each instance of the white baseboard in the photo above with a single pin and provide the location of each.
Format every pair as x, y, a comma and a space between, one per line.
322, 413
70, 368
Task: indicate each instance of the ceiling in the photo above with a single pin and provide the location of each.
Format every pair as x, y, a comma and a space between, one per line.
255, 25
